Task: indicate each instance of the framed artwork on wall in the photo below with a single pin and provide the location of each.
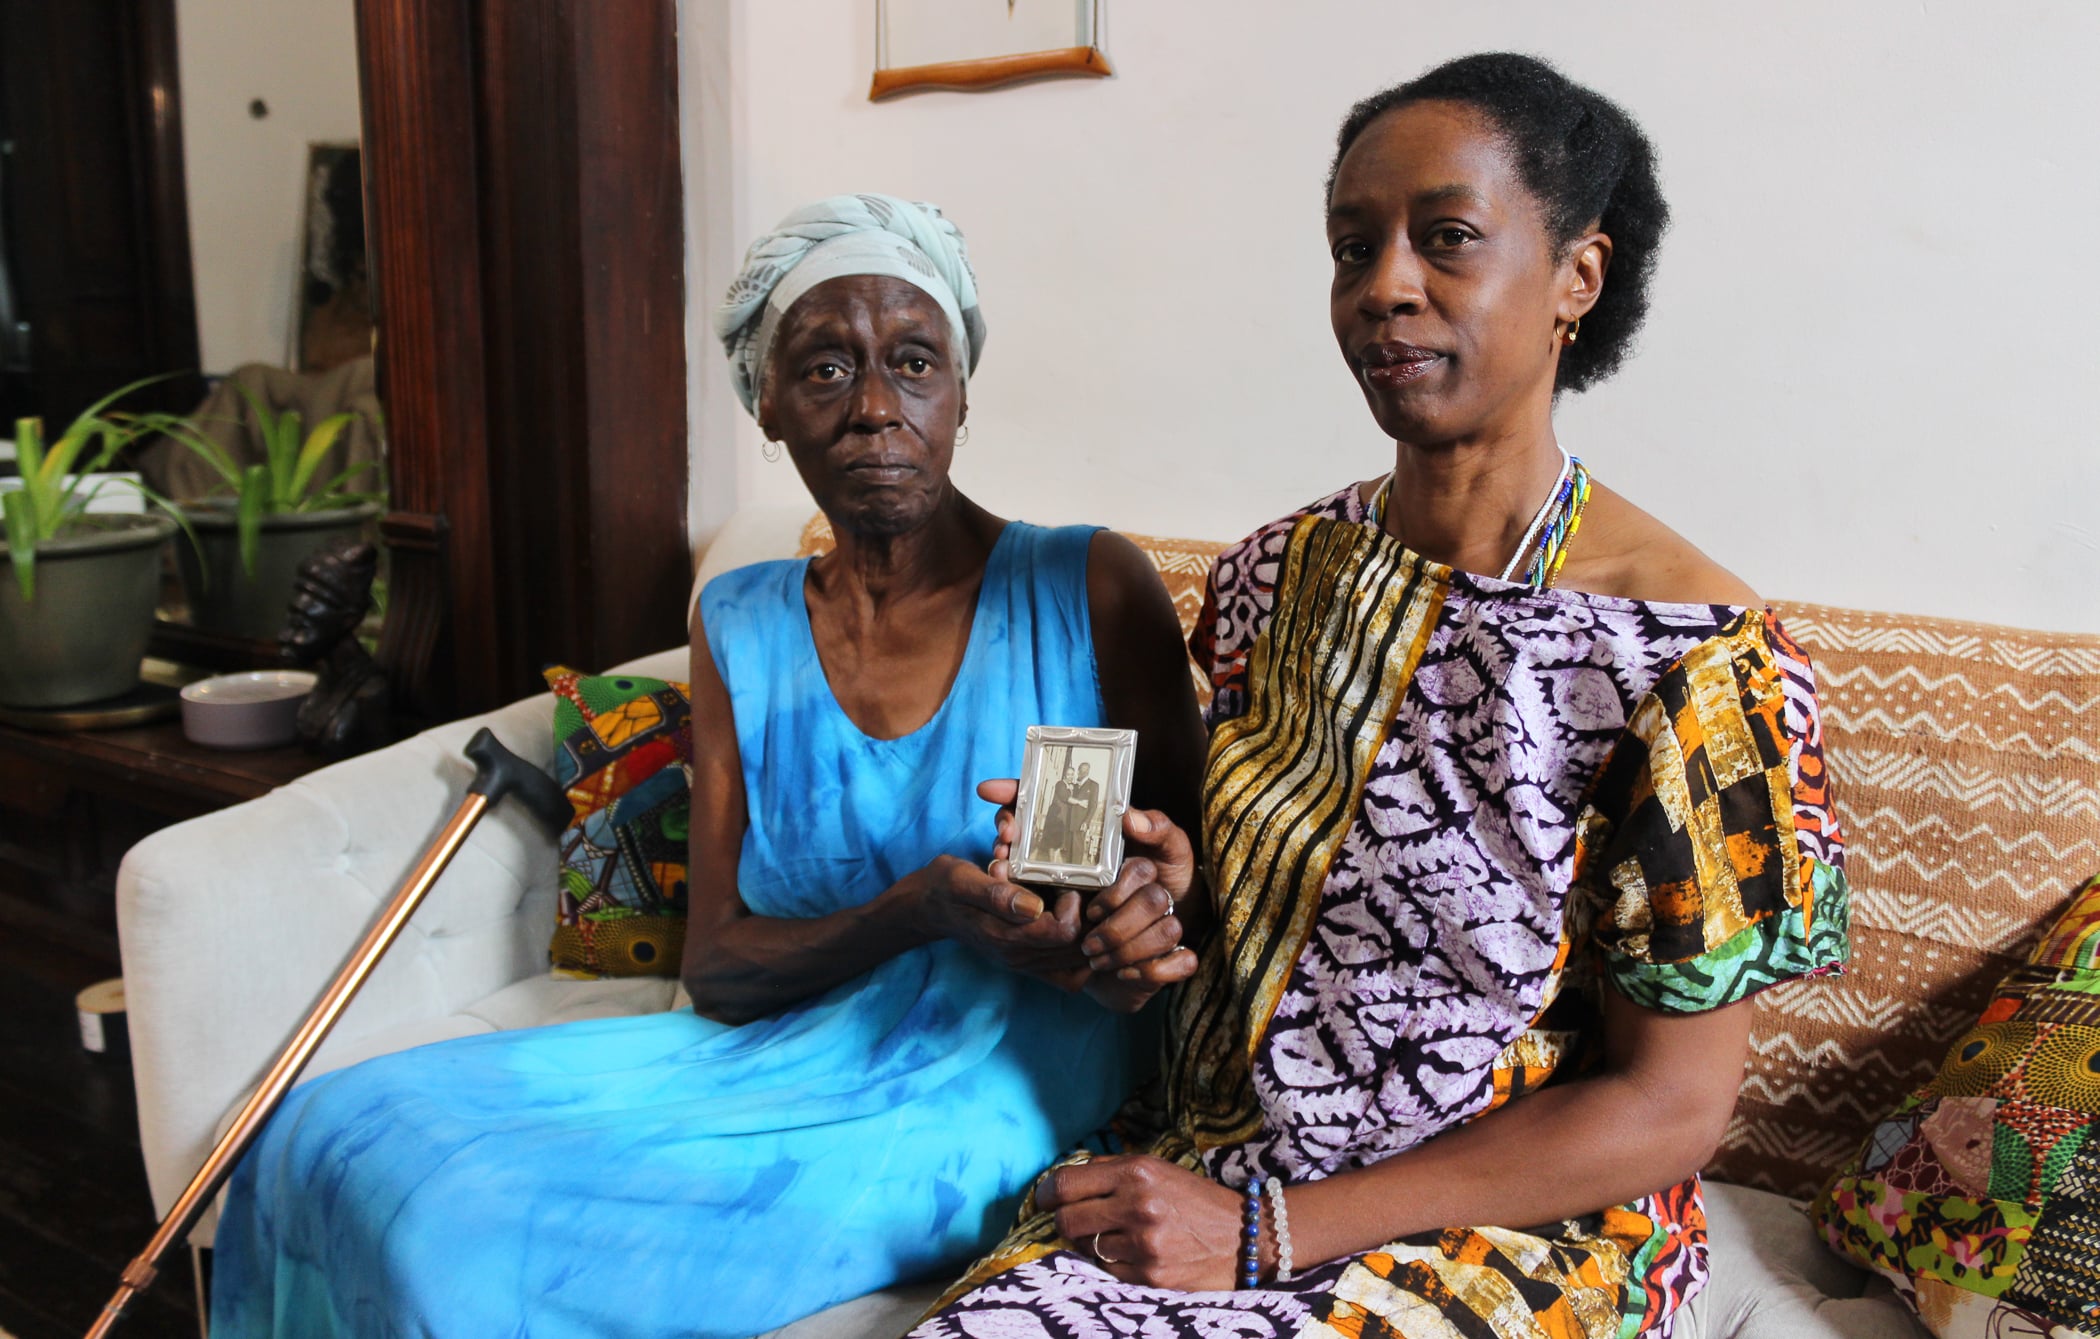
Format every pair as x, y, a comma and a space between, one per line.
333, 321
978, 44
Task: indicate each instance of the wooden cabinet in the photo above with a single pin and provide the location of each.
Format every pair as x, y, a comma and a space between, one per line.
72, 803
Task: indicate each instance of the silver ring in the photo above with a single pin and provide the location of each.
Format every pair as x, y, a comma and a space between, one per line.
1098, 1255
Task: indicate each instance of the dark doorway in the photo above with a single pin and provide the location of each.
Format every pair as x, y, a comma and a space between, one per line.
93, 217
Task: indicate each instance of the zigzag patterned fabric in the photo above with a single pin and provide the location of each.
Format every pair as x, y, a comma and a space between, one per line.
1968, 766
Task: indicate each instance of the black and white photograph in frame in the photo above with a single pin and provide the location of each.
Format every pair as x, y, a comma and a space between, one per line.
1075, 789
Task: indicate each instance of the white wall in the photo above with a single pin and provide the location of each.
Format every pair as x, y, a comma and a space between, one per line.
1866, 379
247, 177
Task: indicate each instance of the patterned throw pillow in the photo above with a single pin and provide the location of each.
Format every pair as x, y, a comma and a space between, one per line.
1979, 1196
623, 750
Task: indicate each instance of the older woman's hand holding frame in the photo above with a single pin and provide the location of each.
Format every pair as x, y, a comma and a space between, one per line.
1134, 928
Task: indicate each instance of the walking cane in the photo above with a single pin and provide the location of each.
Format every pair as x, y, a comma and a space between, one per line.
497, 772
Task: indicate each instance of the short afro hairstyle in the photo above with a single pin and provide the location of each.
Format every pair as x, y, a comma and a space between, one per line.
1586, 161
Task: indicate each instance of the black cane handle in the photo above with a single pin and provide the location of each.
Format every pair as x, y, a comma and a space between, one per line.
499, 772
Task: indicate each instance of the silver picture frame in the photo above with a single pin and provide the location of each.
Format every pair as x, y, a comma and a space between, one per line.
1075, 789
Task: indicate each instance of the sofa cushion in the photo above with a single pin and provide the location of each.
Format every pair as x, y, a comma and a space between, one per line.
535, 1001
1966, 764
1772, 1279
1979, 1196
623, 751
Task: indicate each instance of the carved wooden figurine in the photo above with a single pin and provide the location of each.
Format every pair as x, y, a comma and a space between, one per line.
349, 710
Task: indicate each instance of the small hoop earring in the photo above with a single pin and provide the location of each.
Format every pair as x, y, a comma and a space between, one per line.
1573, 326
771, 451
962, 435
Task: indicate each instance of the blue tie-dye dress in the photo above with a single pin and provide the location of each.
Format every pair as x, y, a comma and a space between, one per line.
669, 1175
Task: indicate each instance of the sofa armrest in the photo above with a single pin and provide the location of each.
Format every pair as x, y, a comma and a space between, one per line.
232, 924
752, 535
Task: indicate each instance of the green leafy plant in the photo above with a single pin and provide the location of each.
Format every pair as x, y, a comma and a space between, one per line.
58, 479
288, 478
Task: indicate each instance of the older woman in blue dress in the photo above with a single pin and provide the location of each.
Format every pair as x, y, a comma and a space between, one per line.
889, 1038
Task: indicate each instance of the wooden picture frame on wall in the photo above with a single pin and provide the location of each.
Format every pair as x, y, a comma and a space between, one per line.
973, 45
332, 302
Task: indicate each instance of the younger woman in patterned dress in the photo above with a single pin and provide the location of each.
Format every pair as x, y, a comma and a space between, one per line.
1496, 861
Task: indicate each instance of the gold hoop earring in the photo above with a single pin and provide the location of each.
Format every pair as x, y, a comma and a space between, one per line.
771, 451
1573, 326
962, 435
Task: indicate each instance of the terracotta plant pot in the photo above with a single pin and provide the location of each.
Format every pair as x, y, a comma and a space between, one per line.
227, 600
82, 636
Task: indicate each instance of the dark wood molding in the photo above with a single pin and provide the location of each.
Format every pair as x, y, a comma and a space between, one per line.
528, 246
98, 212
412, 639
165, 200
631, 202
416, 68
584, 273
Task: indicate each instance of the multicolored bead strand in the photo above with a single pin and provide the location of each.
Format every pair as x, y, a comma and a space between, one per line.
1544, 568
1549, 535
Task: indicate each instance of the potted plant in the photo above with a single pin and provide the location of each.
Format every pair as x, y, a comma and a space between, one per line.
278, 511
77, 613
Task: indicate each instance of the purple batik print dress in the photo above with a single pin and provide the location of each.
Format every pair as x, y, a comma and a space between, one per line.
1442, 814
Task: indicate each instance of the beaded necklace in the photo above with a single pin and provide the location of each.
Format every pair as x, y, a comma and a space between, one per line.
1544, 547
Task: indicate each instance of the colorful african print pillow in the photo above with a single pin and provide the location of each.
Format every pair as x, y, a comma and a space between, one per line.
623, 750
1979, 1196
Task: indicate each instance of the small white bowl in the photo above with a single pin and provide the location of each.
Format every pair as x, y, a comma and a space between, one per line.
255, 710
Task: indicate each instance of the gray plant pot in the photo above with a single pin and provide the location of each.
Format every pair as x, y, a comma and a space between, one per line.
81, 638
224, 598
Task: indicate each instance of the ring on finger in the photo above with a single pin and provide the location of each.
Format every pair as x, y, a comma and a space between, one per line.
1101, 1255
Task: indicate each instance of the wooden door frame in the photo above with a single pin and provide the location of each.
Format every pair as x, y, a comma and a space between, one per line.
525, 205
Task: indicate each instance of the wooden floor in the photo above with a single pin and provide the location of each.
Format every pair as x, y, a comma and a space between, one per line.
73, 1204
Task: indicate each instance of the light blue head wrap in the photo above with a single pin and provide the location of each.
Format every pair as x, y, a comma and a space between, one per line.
845, 234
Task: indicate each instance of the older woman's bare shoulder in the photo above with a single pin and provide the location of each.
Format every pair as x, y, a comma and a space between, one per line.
1621, 550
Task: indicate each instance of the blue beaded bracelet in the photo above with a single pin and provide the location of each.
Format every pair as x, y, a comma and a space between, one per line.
1250, 1237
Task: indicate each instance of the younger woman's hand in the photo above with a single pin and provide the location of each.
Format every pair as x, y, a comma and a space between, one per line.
1133, 937
1150, 833
1148, 1221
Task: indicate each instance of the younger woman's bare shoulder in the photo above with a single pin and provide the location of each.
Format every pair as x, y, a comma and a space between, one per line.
1623, 551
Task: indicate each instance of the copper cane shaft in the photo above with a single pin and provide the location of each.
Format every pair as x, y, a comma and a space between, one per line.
140, 1273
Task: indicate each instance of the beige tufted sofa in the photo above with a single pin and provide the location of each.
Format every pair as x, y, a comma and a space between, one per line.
1968, 766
